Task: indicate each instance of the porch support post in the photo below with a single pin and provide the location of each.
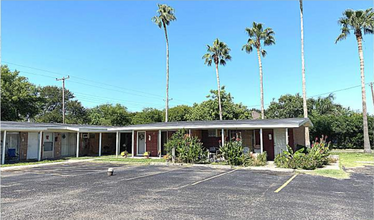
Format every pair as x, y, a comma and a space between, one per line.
117, 143
287, 137
261, 141
223, 137
132, 143
173, 154
254, 140
78, 140
189, 132
159, 144
100, 140
40, 146
3, 152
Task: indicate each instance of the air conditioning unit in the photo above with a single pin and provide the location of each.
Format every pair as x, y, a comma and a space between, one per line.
85, 136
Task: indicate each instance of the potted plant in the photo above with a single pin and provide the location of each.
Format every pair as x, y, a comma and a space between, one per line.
147, 154
124, 154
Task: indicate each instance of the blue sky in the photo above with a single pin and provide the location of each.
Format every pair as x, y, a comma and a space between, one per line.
115, 54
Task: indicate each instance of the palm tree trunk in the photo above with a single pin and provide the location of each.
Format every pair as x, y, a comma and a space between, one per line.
261, 85
363, 92
219, 93
167, 74
305, 107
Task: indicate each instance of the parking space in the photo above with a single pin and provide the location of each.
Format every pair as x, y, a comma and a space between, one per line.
84, 191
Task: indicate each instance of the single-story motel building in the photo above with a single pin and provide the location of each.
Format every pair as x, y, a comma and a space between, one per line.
26, 141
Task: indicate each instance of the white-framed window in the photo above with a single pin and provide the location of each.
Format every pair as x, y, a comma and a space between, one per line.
212, 133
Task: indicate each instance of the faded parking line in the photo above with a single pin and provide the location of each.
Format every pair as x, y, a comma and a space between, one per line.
148, 175
285, 184
204, 180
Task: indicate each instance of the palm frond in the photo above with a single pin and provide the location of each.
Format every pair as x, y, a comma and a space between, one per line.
218, 53
263, 53
368, 31
358, 21
342, 36
258, 35
157, 21
165, 15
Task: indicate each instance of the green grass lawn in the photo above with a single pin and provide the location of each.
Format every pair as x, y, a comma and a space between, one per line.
111, 158
348, 160
338, 174
120, 159
32, 163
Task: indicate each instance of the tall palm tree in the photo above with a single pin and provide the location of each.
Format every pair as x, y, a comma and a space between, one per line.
257, 35
218, 53
163, 19
305, 107
360, 21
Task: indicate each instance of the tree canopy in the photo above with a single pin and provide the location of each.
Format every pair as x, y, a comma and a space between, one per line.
107, 114
148, 115
208, 110
19, 97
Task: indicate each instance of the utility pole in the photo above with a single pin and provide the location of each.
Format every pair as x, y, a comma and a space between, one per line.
372, 96
167, 109
63, 96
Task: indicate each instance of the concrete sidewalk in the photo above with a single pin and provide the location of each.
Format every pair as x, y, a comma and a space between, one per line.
270, 166
42, 164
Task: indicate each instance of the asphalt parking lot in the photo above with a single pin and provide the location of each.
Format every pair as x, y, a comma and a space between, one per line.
84, 191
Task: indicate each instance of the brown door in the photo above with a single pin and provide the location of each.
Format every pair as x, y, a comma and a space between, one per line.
268, 140
290, 139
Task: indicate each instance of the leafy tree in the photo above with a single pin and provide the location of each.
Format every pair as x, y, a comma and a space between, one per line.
148, 115
208, 110
291, 106
52, 104
287, 106
257, 35
109, 115
163, 19
76, 113
19, 99
179, 113
218, 53
341, 125
360, 21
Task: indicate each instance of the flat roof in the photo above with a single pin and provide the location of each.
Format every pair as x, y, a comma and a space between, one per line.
225, 124
33, 126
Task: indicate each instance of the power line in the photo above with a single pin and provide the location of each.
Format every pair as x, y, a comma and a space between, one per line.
94, 96
149, 94
326, 93
86, 84
100, 83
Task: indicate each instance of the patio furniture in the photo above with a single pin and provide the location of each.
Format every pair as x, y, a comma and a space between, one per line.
11, 152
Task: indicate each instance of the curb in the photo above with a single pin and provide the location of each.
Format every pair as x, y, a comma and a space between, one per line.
42, 164
224, 167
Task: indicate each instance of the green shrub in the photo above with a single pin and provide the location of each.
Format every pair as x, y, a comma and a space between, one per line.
187, 149
190, 151
314, 157
232, 152
176, 140
250, 160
